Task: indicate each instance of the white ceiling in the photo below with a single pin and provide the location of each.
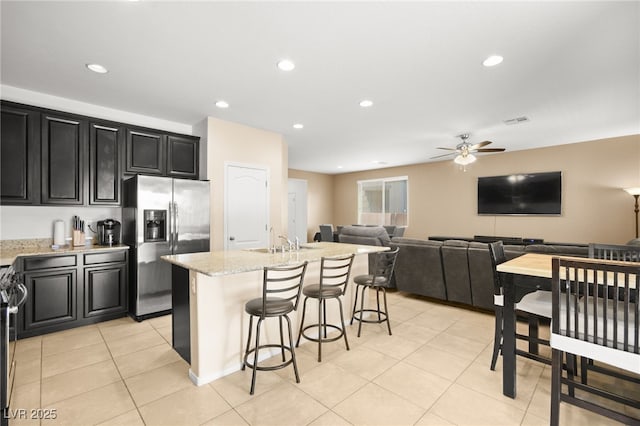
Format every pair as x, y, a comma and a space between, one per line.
572, 68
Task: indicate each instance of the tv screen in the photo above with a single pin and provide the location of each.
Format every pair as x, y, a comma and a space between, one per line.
525, 194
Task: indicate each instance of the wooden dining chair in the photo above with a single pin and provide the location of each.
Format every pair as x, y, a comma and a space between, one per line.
537, 303
590, 324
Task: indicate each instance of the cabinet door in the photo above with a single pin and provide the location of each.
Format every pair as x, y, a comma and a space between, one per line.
182, 157
51, 299
105, 144
105, 290
64, 141
145, 152
20, 156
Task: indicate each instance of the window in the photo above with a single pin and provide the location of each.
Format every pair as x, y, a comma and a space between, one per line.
383, 201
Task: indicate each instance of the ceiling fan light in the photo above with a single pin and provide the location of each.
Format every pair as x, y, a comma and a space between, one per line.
463, 160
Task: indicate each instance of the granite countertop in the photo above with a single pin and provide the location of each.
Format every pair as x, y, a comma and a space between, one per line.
227, 262
10, 250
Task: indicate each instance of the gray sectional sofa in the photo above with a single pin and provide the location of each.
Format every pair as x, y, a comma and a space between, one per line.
460, 271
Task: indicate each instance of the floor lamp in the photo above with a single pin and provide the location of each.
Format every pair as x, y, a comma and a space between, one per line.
635, 192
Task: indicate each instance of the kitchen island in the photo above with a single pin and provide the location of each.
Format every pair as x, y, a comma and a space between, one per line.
210, 290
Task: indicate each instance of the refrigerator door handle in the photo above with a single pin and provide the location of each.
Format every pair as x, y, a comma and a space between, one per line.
170, 227
176, 225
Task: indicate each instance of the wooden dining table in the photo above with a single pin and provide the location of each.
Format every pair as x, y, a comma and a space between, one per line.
534, 265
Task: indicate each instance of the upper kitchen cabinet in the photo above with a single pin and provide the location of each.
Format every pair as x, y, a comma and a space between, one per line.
64, 165
105, 163
145, 152
20, 155
182, 156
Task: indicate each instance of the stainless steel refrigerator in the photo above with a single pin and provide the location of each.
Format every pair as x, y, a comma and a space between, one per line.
161, 216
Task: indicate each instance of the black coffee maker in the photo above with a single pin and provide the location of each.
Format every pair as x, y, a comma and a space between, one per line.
108, 232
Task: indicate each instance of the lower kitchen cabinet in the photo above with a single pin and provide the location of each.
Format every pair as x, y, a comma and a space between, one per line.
105, 290
71, 290
52, 299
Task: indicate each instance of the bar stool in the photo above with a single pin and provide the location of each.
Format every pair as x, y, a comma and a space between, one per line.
379, 281
281, 288
334, 277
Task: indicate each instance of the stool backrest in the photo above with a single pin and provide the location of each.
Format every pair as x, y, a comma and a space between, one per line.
593, 321
384, 266
496, 253
624, 253
283, 282
335, 271
326, 232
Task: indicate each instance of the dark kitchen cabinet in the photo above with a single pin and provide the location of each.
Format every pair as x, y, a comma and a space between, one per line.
182, 154
105, 163
145, 152
55, 158
20, 155
64, 142
71, 290
52, 298
105, 283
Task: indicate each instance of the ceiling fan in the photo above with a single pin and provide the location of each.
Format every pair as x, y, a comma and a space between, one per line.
464, 150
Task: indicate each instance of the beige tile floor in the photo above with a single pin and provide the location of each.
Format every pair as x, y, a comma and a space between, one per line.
434, 370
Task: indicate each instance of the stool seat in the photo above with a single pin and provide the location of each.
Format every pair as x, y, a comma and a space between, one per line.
371, 280
273, 307
314, 291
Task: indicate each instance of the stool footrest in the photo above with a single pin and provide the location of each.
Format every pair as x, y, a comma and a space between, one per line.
269, 367
324, 339
383, 316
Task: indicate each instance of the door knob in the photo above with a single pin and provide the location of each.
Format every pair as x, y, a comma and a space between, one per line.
232, 238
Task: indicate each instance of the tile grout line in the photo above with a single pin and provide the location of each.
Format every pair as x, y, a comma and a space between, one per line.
124, 383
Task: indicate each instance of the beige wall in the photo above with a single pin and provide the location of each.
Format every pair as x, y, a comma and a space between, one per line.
319, 199
442, 197
229, 142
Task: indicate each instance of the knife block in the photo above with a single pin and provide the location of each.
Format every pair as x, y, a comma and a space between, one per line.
78, 238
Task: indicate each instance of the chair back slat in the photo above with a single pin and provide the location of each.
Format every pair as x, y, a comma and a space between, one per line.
335, 271
283, 282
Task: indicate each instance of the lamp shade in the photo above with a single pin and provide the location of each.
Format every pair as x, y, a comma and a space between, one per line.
633, 191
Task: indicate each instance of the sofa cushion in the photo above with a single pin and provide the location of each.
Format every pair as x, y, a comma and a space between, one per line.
416, 242
366, 235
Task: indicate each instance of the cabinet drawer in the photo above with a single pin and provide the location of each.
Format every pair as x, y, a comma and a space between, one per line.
44, 262
108, 257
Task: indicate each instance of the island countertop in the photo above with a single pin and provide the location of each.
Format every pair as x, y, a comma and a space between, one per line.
227, 262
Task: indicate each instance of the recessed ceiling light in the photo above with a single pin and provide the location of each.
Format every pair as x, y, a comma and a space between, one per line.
298, 126
97, 68
222, 104
492, 61
339, 167
366, 103
286, 65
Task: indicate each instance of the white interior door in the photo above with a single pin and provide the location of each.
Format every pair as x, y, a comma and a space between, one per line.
246, 213
297, 219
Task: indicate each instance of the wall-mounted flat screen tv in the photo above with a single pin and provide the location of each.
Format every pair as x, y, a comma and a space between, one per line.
521, 194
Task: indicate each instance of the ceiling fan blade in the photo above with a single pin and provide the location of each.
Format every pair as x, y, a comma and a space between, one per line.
490, 150
448, 149
443, 155
479, 145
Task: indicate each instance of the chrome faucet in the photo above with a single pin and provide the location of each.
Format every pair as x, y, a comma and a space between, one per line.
289, 242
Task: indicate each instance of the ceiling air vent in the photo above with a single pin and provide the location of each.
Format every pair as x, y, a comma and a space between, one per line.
516, 120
